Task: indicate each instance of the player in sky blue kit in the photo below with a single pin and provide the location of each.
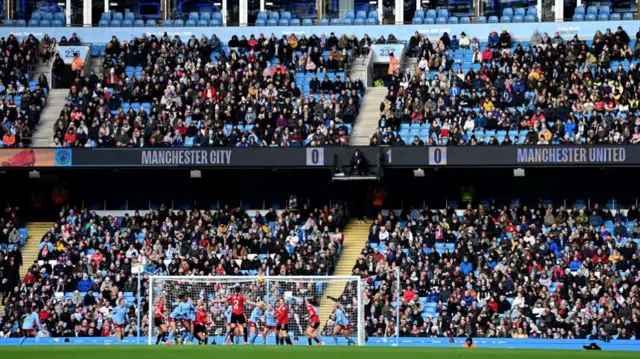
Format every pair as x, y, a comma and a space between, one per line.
341, 324
30, 323
185, 313
230, 327
256, 314
119, 317
270, 323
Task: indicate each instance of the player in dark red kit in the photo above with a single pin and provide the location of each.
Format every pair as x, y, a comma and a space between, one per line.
159, 318
282, 315
238, 319
201, 323
314, 322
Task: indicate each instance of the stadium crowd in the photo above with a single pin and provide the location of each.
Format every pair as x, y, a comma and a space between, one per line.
256, 92
505, 272
549, 90
21, 99
85, 261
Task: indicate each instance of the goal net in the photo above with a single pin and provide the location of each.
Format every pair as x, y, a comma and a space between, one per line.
325, 292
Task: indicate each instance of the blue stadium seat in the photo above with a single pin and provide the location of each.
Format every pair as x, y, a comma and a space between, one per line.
373, 14
529, 18
604, 9
47, 16
324, 21
193, 16
505, 19
260, 22
217, 16
419, 13
518, 19
443, 13
429, 21
347, 21
372, 21
215, 22
272, 22
262, 15
441, 20
59, 16
45, 23
416, 20
139, 23
8, 23
521, 11
36, 16
532, 10
465, 20
358, 21
206, 16
431, 13
603, 17
190, 22
130, 16
203, 23
274, 15
295, 22
284, 22
57, 23
507, 12
615, 17
592, 10
286, 15
627, 16
335, 21
151, 23
179, 23
361, 14
578, 17
453, 20
579, 10
350, 15
167, 23
32, 23
481, 20
493, 20
307, 22
103, 23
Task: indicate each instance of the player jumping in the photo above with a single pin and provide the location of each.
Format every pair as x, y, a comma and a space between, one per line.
238, 319
314, 322
120, 318
271, 324
282, 314
185, 313
159, 319
256, 314
341, 324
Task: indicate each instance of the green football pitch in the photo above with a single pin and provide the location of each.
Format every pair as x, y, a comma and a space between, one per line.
275, 352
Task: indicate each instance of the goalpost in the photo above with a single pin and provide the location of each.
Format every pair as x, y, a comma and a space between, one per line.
345, 290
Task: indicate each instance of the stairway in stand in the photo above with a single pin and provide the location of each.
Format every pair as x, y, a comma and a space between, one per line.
29, 250
355, 236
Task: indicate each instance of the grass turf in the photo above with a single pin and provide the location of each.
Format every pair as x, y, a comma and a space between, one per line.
275, 352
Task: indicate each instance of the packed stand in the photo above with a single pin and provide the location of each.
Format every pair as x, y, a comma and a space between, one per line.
255, 92
505, 272
21, 99
549, 90
85, 261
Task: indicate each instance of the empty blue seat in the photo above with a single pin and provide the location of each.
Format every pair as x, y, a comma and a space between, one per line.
578, 17
57, 23
347, 21
59, 16
205, 16
284, 22
429, 21
358, 21
603, 17
203, 23
453, 20
441, 20
151, 23
532, 10
373, 14
190, 22
361, 14
505, 19
103, 23
507, 12
260, 22
32, 23
130, 16
518, 18
324, 21
193, 16
45, 23
493, 20
431, 13
443, 13
262, 15
520, 11
36, 15
481, 20
604, 9
416, 20
372, 21
615, 17
335, 21
627, 16
179, 22
274, 15
116, 23
139, 23
47, 16
286, 15
215, 22
465, 20
106, 16
272, 22
419, 13
350, 15
118, 16
529, 18
307, 22
216, 16
579, 10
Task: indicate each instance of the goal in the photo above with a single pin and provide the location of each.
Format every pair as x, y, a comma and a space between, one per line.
325, 291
